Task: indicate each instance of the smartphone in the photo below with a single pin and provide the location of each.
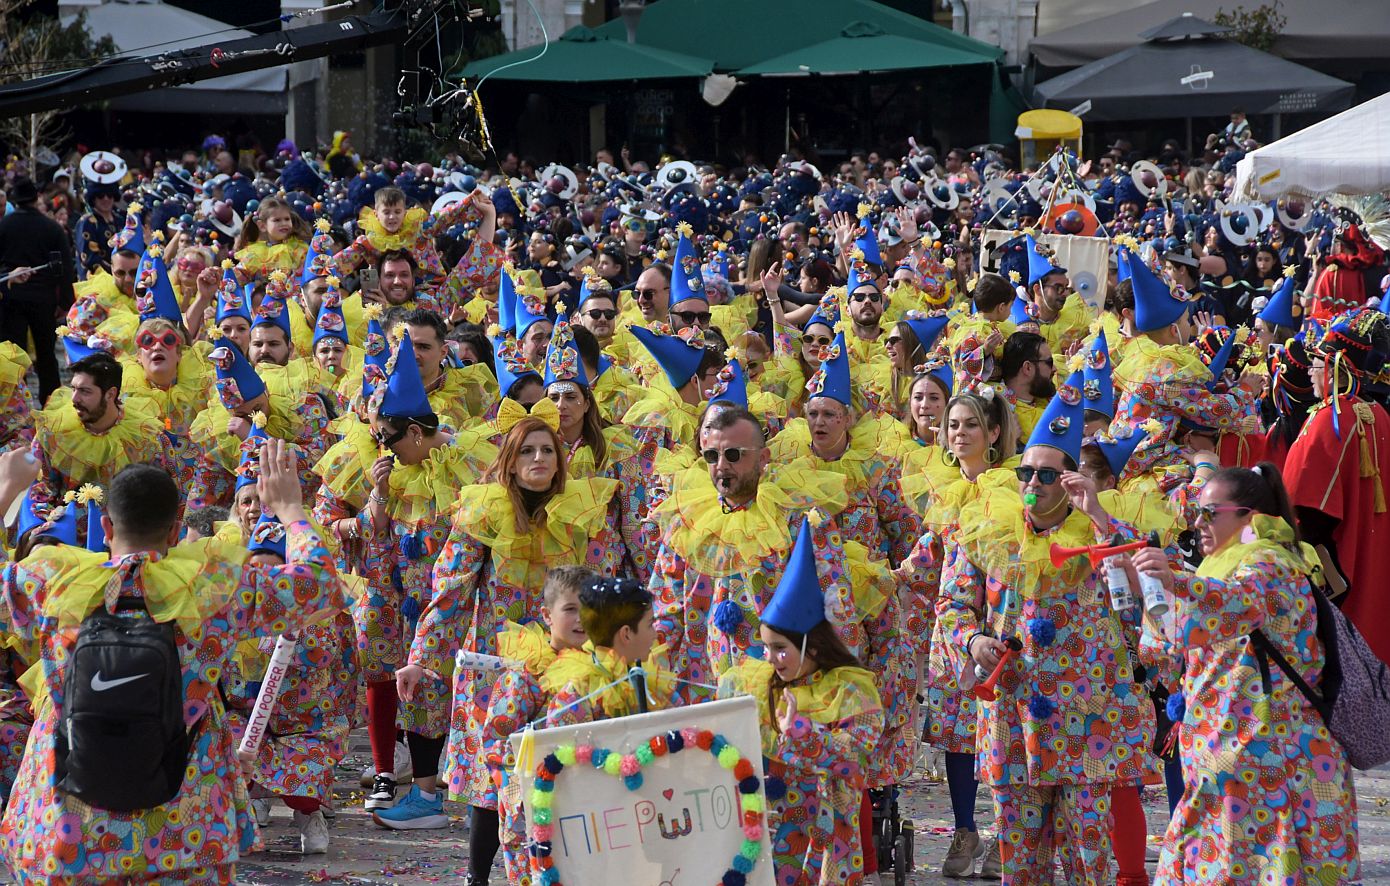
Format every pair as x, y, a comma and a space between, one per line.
369, 279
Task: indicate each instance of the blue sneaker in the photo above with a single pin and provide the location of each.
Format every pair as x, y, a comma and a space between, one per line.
413, 813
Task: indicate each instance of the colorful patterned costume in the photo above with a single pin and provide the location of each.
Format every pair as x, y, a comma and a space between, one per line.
490, 573
216, 602
1269, 796
822, 760
16, 417
1066, 723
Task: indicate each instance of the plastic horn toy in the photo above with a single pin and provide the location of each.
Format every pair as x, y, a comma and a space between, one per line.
256, 724
1060, 555
985, 691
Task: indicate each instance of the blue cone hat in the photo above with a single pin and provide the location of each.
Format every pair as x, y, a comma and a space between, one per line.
1099, 388
1155, 304
678, 358
1039, 260
1063, 423
798, 604
405, 393
686, 281
237, 380
832, 379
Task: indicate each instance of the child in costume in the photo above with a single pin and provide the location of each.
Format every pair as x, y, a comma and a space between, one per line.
820, 717
277, 239
518, 699
390, 225
308, 730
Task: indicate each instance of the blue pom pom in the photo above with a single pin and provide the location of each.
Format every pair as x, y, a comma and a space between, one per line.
1042, 630
543, 784
410, 608
748, 785
396, 581
674, 741
600, 754
743, 865
717, 745
550, 876
633, 782
411, 547
1040, 707
553, 763
1176, 707
733, 878
774, 787
727, 616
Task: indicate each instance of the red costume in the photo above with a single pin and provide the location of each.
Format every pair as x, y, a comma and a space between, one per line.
1344, 477
1342, 284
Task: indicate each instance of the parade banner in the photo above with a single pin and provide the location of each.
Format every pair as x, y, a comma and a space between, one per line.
669, 798
1085, 258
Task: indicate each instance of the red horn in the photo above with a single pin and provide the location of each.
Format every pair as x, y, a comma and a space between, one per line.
985, 691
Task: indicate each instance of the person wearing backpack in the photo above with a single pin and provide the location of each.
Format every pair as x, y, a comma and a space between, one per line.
1269, 794
131, 773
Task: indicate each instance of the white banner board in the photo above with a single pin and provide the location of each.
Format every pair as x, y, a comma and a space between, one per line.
1087, 260
682, 826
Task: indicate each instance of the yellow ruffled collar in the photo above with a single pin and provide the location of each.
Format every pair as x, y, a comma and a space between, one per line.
84, 457
209, 429
1145, 508
1143, 356
998, 538
186, 396
826, 697
383, 240
286, 255
527, 644
484, 511
793, 443
420, 493
937, 491
717, 543
621, 447
347, 465
1273, 542
586, 670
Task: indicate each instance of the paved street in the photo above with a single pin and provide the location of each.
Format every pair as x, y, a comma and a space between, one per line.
363, 853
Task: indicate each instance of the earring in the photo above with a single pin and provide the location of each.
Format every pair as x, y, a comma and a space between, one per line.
950, 458
992, 454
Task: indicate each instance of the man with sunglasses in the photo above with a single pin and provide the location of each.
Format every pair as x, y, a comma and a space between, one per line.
711, 583
1063, 318
1065, 725
1027, 368
652, 294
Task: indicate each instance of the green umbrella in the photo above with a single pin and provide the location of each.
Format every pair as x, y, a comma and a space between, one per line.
583, 56
863, 46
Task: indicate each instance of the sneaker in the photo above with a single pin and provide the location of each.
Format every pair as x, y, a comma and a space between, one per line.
383, 793
261, 810
413, 813
993, 868
965, 849
313, 832
405, 771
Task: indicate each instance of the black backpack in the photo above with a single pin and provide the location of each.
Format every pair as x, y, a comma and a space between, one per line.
1353, 694
121, 741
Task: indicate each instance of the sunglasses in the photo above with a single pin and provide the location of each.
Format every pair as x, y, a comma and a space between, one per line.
873, 297
648, 294
601, 314
732, 455
893, 341
1047, 361
692, 318
190, 266
147, 340
634, 224
386, 441
1046, 476
1209, 512
822, 340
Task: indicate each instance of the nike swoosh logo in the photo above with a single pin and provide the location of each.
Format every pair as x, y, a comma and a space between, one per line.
100, 685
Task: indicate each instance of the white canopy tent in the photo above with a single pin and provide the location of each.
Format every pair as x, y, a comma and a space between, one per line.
1345, 154
149, 27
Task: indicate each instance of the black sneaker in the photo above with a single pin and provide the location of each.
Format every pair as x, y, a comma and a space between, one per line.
383, 793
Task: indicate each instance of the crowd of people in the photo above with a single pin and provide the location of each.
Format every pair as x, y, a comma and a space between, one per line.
839, 441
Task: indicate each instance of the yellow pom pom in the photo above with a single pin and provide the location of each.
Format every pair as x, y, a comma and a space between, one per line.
970, 284
1031, 232
856, 254
323, 225
63, 331
333, 281
278, 276
155, 250
1076, 362
865, 210
371, 312
493, 330
134, 209
227, 264
949, 263
685, 230
1153, 426
90, 492
816, 517
661, 255
69, 497
1290, 270
258, 419
1015, 277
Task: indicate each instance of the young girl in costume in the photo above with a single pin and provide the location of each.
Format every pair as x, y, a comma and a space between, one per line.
820, 717
276, 239
518, 698
390, 224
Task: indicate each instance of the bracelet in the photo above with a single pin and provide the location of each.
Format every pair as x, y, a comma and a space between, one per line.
376, 497
1205, 464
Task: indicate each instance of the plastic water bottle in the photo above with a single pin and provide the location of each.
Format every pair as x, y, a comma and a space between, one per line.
1155, 597
1121, 595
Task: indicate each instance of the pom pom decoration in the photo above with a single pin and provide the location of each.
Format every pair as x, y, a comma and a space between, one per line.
1040, 707
774, 787
1042, 630
727, 616
629, 767
1176, 708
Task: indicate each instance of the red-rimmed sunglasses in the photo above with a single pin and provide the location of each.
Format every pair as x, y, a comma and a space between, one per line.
148, 341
